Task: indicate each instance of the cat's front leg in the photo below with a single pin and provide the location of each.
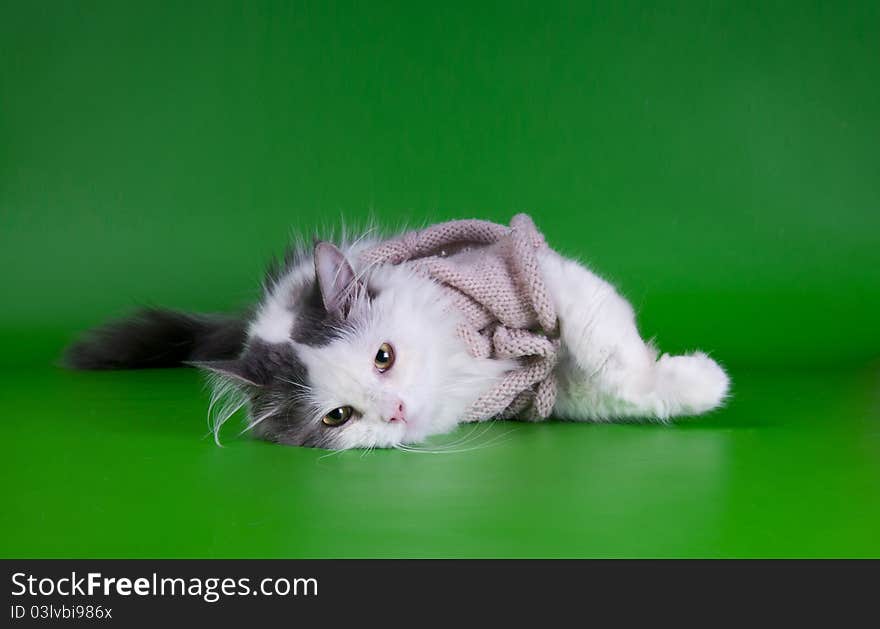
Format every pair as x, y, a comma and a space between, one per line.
606, 370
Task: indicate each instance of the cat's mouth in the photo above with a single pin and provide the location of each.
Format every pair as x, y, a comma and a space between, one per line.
413, 430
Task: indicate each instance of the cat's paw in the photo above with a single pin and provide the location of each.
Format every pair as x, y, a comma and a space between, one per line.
692, 384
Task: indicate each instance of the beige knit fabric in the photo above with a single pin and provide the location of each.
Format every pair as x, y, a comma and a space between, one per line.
491, 272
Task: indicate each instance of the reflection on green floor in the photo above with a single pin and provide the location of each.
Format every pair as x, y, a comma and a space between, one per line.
117, 464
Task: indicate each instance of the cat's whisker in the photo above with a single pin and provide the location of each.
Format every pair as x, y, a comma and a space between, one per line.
363, 272
367, 232
436, 449
296, 384
226, 400
329, 454
459, 445
468, 435
255, 422
492, 442
477, 432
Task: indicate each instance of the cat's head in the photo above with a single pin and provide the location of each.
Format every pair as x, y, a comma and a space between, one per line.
338, 361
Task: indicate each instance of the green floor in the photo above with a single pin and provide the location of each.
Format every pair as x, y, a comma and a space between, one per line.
718, 161
115, 465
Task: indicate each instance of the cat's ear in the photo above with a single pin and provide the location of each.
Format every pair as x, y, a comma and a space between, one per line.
336, 278
235, 370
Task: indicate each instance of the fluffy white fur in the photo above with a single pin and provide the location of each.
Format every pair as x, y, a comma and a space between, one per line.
606, 370
433, 376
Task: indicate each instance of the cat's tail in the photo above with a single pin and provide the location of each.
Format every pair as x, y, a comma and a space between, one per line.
157, 338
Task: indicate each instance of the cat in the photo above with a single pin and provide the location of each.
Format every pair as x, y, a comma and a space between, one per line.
342, 354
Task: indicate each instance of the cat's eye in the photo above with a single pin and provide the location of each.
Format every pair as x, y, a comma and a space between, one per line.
338, 416
384, 357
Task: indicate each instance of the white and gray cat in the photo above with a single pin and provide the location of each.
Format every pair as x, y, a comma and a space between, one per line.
319, 364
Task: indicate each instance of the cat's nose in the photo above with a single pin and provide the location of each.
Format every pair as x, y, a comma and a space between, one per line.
397, 412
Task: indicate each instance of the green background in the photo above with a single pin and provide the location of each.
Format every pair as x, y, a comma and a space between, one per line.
717, 161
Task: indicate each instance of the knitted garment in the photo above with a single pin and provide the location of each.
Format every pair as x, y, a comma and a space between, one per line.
491, 272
